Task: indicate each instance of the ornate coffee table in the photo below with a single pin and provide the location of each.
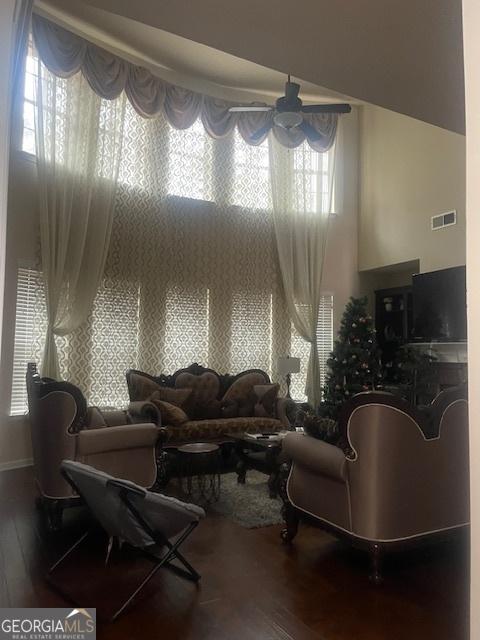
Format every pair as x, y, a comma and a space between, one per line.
262, 454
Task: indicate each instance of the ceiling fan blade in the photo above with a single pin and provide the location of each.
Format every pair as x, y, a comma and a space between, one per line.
311, 133
262, 131
247, 108
326, 108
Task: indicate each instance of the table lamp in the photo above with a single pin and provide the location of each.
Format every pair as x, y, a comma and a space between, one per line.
287, 366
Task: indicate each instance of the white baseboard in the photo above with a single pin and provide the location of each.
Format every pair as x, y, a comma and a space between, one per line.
16, 464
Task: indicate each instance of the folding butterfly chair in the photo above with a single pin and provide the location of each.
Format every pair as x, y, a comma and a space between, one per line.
138, 517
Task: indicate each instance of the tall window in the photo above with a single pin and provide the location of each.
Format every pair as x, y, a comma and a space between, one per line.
312, 171
183, 282
300, 348
190, 162
251, 186
187, 325
28, 142
30, 330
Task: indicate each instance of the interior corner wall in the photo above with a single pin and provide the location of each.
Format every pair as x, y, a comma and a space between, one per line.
22, 234
7, 9
471, 29
409, 171
14, 434
340, 274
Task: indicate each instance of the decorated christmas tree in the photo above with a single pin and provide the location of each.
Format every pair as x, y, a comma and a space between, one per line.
354, 364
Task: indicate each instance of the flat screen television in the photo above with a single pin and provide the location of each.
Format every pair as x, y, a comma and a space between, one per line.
440, 306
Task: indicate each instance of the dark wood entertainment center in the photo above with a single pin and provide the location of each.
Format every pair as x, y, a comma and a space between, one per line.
394, 328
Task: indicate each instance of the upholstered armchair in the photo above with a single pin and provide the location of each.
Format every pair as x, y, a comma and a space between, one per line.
64, 427
403, 478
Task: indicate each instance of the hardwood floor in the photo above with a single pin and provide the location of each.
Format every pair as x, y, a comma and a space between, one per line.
252, 587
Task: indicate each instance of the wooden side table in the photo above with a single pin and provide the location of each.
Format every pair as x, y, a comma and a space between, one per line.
199, 471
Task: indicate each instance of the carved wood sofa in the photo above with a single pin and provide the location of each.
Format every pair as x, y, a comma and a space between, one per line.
211, 405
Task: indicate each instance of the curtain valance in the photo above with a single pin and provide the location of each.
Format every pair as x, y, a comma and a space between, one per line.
64, 54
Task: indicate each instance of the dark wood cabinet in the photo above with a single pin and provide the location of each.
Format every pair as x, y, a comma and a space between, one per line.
393, 317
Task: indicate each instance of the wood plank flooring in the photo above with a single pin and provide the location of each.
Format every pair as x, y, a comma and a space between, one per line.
252, 587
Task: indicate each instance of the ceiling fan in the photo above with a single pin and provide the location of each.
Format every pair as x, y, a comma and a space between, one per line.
288, 112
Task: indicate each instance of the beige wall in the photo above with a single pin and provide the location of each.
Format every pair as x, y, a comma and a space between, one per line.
472, 76
340, 275
6, 21
15, 443
409, 171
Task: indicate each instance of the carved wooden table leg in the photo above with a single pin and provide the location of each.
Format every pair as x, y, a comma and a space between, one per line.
242, 464
163, 469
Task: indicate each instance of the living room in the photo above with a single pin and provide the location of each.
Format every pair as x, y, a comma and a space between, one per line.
195, 275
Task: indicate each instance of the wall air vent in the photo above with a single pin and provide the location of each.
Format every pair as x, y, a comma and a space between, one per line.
444, 220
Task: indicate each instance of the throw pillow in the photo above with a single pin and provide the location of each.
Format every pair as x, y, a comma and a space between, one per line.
95, 419
229, 409
246, 405
204, 389
142, 387
321, 428
266, 398
171, 414
178, 397
209, 411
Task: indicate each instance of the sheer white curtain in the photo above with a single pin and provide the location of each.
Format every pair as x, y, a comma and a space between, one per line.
302, 201
23, 14
78, 139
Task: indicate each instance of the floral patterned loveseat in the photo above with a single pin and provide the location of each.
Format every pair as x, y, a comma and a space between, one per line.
197, 404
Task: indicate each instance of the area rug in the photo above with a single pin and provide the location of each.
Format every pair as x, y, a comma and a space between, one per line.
249, 504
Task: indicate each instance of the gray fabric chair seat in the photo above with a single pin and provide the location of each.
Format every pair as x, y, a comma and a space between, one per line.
163, 513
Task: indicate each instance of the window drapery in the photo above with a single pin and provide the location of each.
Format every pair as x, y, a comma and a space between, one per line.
64, 53
187, 278
78, 141
22, 20
191, 271
302, 198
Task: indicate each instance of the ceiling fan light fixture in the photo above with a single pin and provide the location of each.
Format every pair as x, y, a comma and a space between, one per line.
288, 119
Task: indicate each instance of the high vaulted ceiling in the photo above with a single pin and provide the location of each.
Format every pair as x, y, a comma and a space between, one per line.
403, 55
177, 59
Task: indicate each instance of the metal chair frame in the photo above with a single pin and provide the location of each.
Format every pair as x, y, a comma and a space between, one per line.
165, 560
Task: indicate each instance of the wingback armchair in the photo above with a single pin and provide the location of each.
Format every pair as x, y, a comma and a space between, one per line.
404, 475
64, 427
